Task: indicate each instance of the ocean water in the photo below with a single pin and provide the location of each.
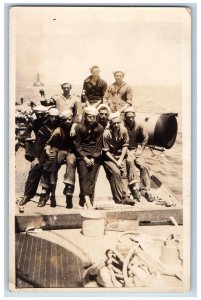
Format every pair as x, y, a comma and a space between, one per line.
168, 164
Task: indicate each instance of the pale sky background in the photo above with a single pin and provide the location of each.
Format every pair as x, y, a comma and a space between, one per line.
147, 43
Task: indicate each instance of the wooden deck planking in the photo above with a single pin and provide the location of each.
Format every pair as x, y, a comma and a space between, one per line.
53, 265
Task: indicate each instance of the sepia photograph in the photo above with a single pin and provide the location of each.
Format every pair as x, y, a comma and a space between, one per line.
99, 149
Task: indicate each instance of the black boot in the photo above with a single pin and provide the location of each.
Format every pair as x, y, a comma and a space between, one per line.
43, 199
81, 201
53, 202
69, 202
128, 201
135, 192
65, 189
24, 200
149, 197
68, 191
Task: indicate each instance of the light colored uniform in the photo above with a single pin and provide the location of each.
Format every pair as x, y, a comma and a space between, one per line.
118, 96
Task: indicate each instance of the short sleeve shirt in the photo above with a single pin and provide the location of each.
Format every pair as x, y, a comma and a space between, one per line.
115, 143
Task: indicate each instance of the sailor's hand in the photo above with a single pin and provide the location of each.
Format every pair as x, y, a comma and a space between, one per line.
83, 93
138, 153
72, 131
34, 162
51, 152
88, 162
120, 163
92, 161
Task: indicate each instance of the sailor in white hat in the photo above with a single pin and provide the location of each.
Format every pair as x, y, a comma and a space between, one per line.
40, 109
42, 136
60, 149
88, 147
90, 110
115, 145
137, 135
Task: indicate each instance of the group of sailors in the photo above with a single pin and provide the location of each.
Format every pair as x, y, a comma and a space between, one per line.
104, 134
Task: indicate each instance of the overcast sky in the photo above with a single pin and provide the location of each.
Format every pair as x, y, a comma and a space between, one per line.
147, 43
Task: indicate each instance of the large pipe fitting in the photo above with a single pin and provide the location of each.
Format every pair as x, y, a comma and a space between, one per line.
161, 128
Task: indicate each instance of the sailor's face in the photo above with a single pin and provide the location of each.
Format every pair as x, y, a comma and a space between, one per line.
130, 118
69, 121
103, 115
116, 124
91, 119
66, 88
40, 115
53, 120
119, 77
95, 72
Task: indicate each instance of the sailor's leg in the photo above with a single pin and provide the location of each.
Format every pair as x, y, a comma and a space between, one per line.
45, 183
114, 177
32, 183
145, 179
82, 172
69, 179
132, 178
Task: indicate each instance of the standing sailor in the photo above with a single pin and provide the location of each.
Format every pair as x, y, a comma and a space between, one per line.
119, 94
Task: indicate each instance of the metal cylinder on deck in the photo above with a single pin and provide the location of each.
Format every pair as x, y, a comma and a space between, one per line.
161, 128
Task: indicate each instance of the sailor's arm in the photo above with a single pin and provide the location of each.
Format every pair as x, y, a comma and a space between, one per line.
125, 145
106, 149
44, 101
106, 96
144, 137
129, 99
48, 102
77, 143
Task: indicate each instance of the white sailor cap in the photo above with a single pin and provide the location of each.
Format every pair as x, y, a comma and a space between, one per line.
103, 106
66, 114
53, 112
90, 110
40, 109
129, 109
114, 115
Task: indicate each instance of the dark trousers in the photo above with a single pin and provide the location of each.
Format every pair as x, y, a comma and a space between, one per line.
87, 177
33, 179
114, 177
